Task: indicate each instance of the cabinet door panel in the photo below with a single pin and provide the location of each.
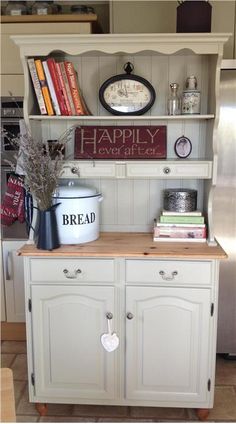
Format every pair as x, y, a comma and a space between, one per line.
69, 359
14, 281
167, 344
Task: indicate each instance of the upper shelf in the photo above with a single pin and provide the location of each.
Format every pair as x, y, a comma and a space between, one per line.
74, 44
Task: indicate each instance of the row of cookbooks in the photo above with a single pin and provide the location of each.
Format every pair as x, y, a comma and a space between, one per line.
57, 88
180, 226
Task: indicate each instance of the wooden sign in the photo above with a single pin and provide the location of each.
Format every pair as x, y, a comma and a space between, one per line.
122, 142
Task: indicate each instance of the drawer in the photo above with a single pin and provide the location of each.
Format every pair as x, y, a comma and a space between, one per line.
88, 169
168, 169
172, 272
72, 270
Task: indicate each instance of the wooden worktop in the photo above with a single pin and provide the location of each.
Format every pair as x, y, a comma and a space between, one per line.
73, 17
132, 245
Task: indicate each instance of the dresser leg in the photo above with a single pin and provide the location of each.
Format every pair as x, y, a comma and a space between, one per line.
42, 408
202, 414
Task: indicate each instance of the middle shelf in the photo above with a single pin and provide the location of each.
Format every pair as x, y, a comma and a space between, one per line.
123, 118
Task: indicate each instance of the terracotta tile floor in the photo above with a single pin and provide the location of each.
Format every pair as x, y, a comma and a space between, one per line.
13, 355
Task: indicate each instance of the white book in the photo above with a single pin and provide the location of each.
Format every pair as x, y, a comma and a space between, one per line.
186, 240
51, 88
181, 225
37, 86
171, 213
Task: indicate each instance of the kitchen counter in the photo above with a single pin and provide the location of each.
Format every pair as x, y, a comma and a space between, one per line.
73, 17
132, 245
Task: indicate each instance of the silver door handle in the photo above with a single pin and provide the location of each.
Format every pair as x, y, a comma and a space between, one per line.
166, 170
168, 277
129, 315
9, 266
75, 171
70, 275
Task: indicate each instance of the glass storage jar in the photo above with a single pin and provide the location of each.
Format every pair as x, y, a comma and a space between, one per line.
81, 9
42, 8
16, 8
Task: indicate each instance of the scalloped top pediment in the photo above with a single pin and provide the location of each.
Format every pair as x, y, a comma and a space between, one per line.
73, 44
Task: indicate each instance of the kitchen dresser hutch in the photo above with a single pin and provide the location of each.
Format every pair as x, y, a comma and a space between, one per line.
161, 297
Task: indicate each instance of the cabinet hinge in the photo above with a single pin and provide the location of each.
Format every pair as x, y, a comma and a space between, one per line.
209, 385
29, 305
32, 379
212, 309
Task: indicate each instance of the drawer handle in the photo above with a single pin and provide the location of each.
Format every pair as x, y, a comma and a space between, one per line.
130, 315
75, 171
166, 170
71, 276
9, 266
168, 277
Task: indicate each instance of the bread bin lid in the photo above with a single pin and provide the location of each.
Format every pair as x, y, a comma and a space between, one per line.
71, 190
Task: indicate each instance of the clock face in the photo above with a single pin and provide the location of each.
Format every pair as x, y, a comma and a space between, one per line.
127, 95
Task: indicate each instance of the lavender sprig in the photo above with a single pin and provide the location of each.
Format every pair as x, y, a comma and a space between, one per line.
41, 165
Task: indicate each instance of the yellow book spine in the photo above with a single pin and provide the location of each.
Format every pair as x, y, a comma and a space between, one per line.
44, 87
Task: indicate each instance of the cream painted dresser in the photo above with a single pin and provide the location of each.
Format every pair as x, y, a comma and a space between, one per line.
161, 297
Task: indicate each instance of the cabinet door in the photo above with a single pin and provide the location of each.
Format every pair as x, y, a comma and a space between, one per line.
14, 281
167, 344
11, 63
69, 359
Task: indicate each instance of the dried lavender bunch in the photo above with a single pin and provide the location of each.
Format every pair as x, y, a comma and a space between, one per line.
41, 165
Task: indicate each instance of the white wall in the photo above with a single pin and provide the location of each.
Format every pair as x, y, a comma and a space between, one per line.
136, 16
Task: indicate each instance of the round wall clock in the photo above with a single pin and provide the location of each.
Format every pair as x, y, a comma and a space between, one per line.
127, 94
183, 147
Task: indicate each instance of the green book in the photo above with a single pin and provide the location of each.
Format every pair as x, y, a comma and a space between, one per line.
176, 219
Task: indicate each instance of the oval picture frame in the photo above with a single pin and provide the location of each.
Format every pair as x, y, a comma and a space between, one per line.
183, 147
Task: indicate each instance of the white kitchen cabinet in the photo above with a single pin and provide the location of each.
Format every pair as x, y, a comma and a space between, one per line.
164, 311
167, 342
12, 79
13, 272
69, 360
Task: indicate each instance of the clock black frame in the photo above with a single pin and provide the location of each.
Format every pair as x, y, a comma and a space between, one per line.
127, 76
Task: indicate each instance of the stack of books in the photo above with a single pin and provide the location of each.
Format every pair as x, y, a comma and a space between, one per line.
56, 87
180, 226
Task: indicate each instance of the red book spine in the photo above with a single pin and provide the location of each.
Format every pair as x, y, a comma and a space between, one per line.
53, 71
71, 75
67, 86
63, 89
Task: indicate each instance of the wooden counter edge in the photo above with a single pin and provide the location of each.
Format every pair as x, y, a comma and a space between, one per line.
86, 17
129, 245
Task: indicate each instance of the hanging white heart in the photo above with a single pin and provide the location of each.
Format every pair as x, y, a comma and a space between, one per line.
110, 342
